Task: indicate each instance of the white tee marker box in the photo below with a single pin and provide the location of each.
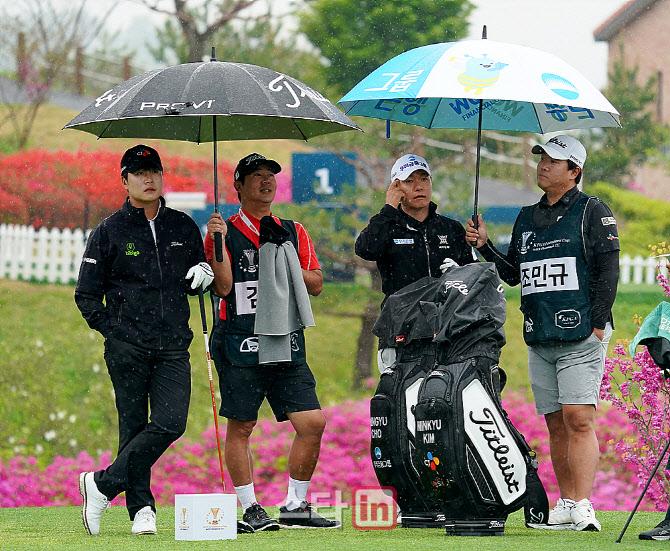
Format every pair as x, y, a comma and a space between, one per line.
205, 517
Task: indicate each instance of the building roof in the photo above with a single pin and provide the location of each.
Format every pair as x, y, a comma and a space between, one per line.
626, 14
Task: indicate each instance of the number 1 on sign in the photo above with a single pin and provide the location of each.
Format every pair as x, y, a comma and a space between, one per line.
324, 187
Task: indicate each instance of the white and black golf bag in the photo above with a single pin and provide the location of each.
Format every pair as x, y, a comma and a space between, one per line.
471, 458
439, 434
392, 436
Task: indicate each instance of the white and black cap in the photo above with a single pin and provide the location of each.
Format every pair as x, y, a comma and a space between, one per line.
403, 167
563, 148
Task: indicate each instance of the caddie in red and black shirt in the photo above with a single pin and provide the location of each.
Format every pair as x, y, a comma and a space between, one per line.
244, 381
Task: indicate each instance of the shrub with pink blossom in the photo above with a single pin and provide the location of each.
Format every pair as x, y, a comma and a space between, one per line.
636, 388
344, 464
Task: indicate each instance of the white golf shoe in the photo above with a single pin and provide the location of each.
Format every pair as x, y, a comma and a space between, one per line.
584, 517
95, 503
560, 517
144, 522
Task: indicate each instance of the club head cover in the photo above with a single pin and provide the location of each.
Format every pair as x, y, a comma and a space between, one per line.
271, 232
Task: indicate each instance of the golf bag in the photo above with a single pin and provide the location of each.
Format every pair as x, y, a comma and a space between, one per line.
392, 441
439, 434
471, 458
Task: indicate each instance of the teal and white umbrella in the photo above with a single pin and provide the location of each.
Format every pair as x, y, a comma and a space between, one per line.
520, 88
481, 84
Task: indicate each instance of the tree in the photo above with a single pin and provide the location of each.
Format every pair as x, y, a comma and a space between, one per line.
260, 39
43, 35
356, 37
194, 26
615, 152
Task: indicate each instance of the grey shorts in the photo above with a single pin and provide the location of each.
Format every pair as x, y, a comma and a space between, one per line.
567, 373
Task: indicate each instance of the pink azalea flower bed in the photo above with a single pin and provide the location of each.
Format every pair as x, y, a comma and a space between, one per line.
344, 464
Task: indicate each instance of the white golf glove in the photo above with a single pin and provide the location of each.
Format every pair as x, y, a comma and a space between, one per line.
385, 358
202, 275
448, 263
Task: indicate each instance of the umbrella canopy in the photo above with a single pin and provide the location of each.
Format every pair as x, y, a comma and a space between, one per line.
210, 101
187, 102
481, 84
520, 88
655, 334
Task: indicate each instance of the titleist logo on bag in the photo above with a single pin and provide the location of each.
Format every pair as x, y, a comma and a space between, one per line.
489, 434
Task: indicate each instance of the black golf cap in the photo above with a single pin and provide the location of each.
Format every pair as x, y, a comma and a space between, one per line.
140, 156
251, 163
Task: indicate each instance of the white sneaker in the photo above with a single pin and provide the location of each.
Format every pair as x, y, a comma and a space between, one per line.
95, 503
584, 517
560, 517
144, 522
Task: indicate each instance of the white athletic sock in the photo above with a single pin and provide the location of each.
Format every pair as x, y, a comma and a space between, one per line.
246, 495
297, 493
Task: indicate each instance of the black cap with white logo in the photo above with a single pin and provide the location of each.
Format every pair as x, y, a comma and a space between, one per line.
251, 163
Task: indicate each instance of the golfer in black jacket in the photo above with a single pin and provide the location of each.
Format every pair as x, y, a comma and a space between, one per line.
408, 239
133, 288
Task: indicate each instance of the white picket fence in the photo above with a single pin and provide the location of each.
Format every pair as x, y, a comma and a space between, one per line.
43, 255
54, 256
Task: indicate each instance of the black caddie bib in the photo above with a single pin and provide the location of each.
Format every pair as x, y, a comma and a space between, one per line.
554, 277
240, 342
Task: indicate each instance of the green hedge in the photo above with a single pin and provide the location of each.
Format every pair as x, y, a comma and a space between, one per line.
641, 221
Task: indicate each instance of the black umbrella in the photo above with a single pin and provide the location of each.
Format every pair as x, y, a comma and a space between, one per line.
210, 101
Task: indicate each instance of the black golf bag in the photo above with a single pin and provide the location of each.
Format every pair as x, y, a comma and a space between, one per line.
456, 448
474, 462
392, 440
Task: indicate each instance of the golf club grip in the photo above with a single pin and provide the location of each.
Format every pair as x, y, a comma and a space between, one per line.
203, 316
218, 246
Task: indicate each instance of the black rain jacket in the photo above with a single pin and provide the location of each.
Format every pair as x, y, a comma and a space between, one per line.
406, 250
142, 281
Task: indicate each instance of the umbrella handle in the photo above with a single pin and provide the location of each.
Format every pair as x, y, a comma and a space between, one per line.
475, 218
218, 241
218, 246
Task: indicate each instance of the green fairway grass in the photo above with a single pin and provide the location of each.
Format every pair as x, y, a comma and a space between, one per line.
60, 529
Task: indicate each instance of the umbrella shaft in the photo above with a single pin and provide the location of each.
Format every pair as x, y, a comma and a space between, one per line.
216, 167
479, 147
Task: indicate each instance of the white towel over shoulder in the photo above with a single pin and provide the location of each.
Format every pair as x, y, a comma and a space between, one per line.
283, 305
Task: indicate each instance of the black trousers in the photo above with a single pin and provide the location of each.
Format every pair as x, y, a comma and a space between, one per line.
153, 390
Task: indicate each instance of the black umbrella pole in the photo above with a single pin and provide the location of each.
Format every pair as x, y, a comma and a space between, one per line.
218, 240
644, 491
479, 147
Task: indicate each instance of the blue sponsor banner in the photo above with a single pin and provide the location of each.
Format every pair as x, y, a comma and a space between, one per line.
201, 216
320, 176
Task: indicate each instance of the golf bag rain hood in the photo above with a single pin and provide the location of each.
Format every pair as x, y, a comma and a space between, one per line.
463, 312
439, 434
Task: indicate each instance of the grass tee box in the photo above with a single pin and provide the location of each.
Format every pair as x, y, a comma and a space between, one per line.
205, 517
